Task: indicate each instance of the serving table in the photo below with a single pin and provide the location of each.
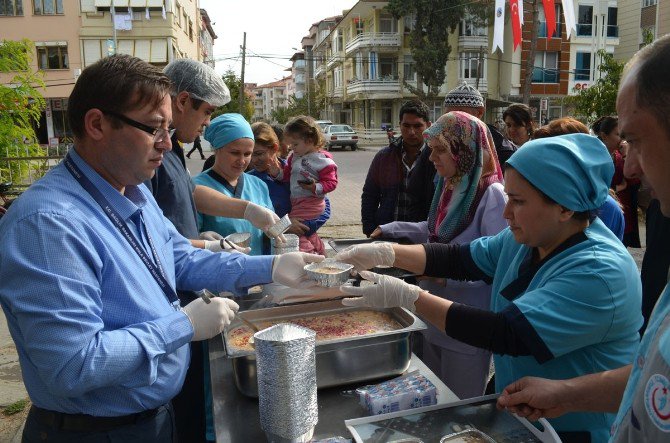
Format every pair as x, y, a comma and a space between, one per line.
236, 416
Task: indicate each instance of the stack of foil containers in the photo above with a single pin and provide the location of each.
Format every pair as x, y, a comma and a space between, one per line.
286, 365
290, 245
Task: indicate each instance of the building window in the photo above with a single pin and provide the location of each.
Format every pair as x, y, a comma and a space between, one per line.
386, 108
470, 65
359, 25
11, 7
583, 66
585, 21
612, 27
409, 22
387, 23
388, 68
47, 7
646, 3
52, 57
546, 67
409, 69
469, 28
542, 32
190, 30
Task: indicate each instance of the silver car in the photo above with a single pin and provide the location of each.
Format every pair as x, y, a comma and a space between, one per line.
341, 135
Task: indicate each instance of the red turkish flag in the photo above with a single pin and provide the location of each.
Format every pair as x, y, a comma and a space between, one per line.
516, 22
550, 14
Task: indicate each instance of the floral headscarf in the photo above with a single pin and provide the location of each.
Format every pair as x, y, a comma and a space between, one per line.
454, 204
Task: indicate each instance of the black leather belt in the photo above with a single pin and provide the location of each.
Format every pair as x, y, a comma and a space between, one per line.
88, 423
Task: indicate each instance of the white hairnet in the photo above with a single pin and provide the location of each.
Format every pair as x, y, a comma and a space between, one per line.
199, 80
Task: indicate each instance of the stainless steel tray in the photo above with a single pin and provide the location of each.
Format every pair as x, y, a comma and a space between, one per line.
338, 362
434, 423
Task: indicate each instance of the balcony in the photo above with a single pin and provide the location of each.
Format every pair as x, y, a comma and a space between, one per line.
320, 70
334, 59
389, 87
337, 92
472, 41
376, 40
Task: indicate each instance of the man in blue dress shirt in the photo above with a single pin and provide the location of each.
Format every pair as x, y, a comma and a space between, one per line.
89, 267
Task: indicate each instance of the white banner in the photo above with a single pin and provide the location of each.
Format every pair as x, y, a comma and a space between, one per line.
521, 12
499, 26
569, 13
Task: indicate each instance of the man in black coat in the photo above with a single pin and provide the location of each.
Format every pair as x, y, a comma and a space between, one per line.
400, 182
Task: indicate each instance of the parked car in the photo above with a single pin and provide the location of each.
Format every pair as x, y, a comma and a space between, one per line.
341, 135
323, 123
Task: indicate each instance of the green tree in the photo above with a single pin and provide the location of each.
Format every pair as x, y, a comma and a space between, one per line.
600, 98
434, 21
234, 82
21, 105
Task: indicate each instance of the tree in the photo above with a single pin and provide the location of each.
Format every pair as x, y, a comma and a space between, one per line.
233, 82
600, 98
434, 21
21, 105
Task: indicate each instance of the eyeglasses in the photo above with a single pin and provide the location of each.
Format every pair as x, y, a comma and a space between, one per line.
159, 134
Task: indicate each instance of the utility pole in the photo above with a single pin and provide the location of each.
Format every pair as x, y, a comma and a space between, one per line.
244, 53
480, 66
114, 25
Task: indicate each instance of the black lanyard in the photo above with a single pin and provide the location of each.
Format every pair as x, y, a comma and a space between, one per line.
155, 270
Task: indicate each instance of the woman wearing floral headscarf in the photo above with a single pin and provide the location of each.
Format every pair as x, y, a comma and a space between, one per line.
468, 203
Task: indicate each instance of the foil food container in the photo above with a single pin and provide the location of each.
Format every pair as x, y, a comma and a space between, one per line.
280, 227
329, 273
467, 436
287, 382
338, 362
292, 244
242, 239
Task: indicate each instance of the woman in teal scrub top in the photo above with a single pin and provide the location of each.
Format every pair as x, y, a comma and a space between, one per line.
565, 292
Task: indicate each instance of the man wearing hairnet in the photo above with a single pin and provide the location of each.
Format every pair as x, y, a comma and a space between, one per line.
197, 91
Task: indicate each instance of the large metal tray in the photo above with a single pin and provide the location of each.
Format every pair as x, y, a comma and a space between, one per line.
433, 423
338, 362
340, 244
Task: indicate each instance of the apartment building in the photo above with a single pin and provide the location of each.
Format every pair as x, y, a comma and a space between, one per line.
72, 34
366, 64
207, 37
297, 78
269, 97
639, 20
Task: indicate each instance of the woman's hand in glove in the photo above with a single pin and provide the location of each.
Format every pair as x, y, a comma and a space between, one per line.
367, 256
387, 292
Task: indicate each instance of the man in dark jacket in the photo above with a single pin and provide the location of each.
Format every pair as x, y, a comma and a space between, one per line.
466, 98
399, 185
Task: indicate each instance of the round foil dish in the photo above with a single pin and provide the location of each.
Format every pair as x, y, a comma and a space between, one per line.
280, 227
329, 273
242, 239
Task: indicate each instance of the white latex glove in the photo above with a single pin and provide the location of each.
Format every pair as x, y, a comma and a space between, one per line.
209, 319
367, 256
262, 218
388, 292
226, 246
288, 269
210, 235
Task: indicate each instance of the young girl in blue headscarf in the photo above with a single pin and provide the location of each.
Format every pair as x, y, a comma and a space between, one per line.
468, 203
